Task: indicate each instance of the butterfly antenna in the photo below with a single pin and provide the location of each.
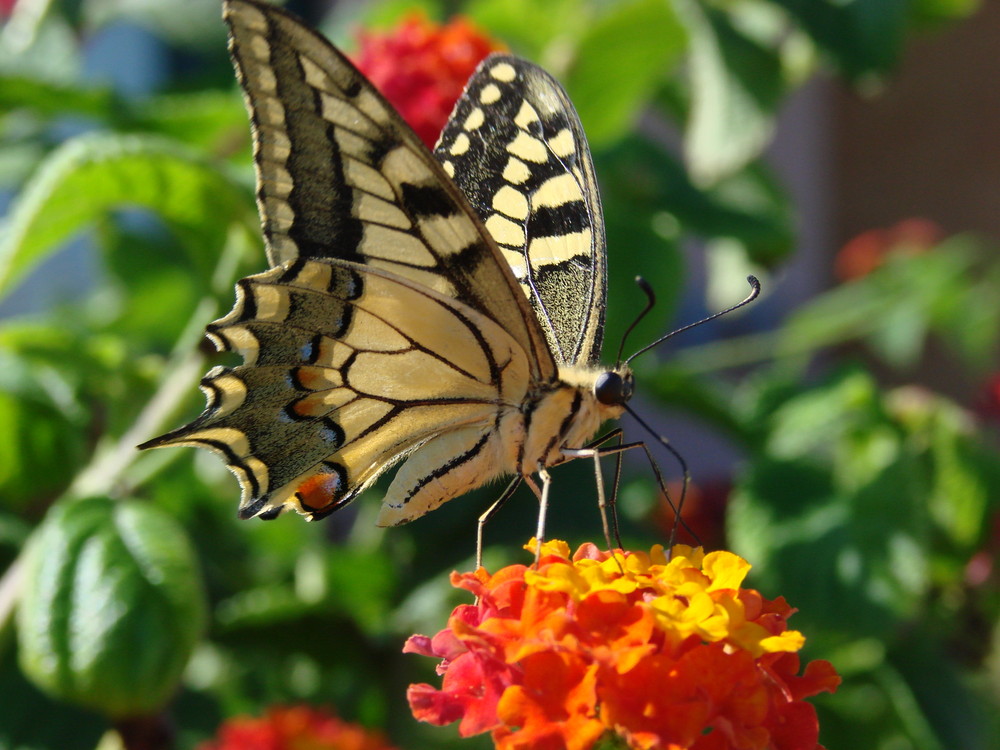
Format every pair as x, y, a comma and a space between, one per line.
754, 292
650, 303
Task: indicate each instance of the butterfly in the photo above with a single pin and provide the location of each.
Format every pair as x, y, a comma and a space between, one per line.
444, 310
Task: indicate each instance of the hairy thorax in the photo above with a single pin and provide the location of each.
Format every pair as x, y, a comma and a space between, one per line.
562, 415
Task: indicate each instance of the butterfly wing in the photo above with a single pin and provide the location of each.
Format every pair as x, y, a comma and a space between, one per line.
390, 325
516, 148
348, 369
341, 175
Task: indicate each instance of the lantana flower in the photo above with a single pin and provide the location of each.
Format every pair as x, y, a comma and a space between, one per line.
295, 728
421, 67
648, 650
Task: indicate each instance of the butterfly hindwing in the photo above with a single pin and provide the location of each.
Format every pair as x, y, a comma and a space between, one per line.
347, 370
516, 148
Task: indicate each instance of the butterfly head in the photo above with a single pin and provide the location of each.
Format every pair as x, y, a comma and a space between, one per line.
614, 387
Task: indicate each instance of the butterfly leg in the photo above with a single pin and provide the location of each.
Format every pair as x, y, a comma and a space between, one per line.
596, 452
603, 505
543, 506
490, 512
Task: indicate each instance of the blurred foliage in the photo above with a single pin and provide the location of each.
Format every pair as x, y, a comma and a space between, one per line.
866, 498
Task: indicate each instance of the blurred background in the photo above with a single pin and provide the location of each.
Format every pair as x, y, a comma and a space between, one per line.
842, 432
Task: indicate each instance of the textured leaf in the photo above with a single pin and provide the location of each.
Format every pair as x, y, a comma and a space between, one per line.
89, 176
111, 606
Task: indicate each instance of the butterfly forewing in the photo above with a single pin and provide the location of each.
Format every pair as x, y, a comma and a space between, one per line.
340, 175
515, 146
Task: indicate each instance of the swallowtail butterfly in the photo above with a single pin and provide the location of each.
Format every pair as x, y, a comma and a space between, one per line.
444, 309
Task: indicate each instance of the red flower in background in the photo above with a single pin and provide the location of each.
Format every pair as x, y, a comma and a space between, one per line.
294, 728
7, 7
421, 67
866, 252
661, 652
988, 406
704, 512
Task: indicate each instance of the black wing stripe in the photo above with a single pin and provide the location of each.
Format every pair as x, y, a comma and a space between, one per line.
448, 467
320, 202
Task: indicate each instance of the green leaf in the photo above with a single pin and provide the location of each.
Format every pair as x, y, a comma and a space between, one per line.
932, 13
44, 413
901, 332
966, 470
151, 280
834, 511
111, 606
946, 290
847, 312
49, 98
366, 598
635, 203
533, 28
213, 120
695, 395
43, 448
736, 85
749, 208
30, 719
89, 176
864, 37
618, 63
967, 312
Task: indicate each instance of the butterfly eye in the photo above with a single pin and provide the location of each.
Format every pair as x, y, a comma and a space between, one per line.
611, 389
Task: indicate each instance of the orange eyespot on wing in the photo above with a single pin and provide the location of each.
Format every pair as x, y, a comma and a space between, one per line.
319, 491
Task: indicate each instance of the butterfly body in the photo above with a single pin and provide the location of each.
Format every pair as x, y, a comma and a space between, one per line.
444, 311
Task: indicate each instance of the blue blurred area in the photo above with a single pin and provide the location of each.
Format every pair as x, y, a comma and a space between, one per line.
128, 58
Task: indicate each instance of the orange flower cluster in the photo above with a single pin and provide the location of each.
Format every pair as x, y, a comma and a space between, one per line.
663, 652
421, 67
295, 728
